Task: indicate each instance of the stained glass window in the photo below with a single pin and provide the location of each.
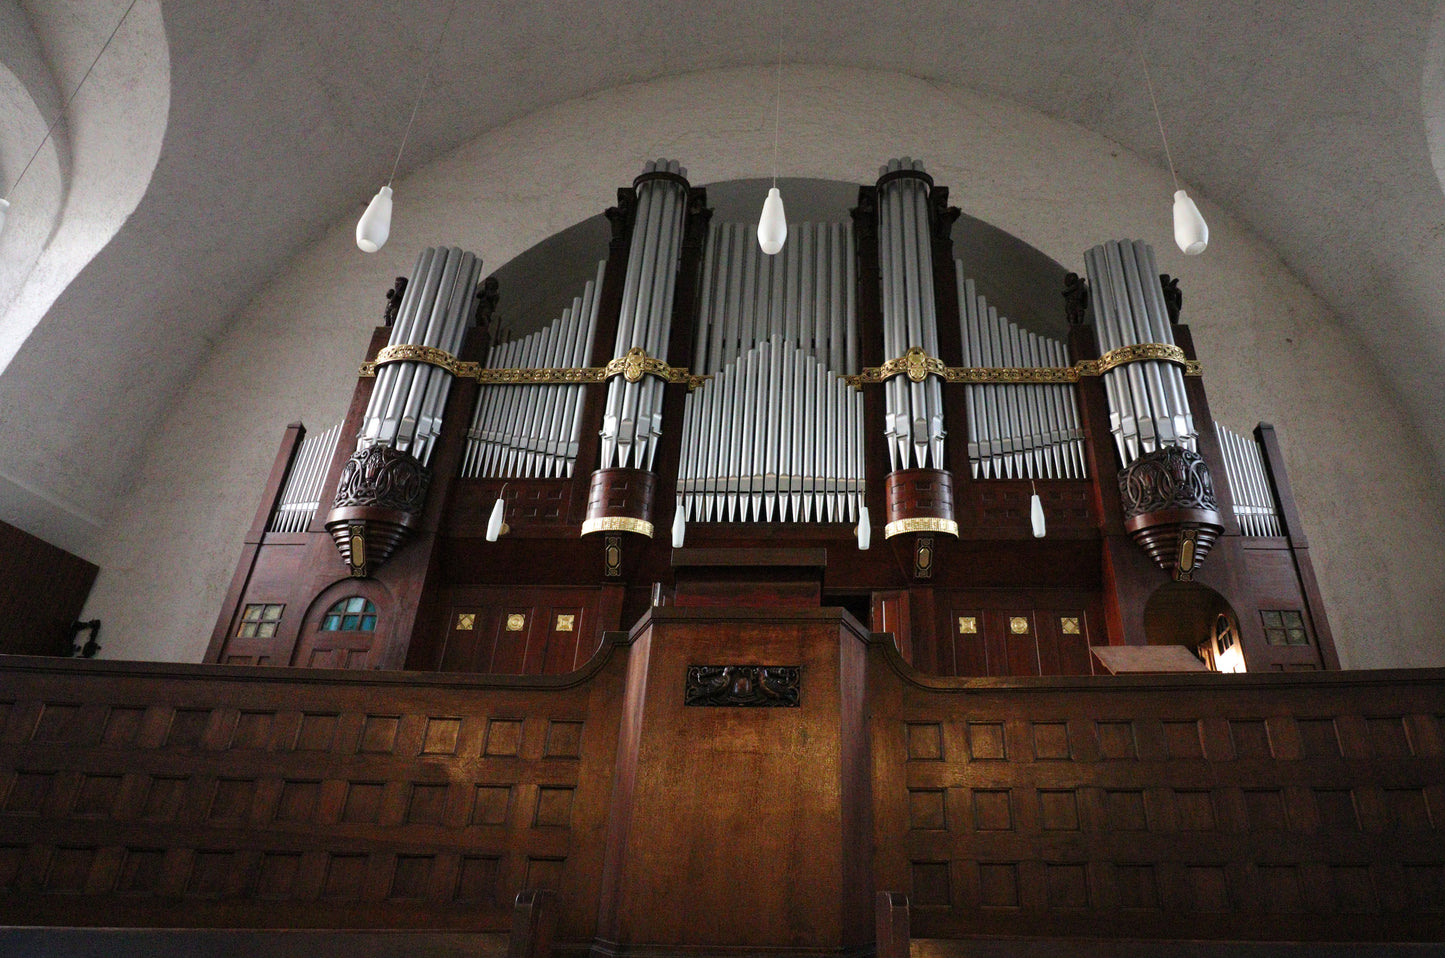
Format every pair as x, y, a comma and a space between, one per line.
355, 614
259, 620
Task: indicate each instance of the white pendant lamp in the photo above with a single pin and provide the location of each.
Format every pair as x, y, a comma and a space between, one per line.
1191, 233
496, 527
374, 227
5, 200
679, 525
1190, 230
773, 224
865, 528
1036, 513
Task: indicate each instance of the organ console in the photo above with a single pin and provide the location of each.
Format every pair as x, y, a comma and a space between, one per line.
775, 402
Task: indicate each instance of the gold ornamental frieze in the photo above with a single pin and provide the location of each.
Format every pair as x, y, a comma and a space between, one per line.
633, 367
918, 366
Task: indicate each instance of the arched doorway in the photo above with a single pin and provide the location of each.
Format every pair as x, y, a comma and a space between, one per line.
1198, 618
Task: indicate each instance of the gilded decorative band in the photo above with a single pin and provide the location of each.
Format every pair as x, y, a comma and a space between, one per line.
617, 524
918, 366
631, 367
900, 527
411, 353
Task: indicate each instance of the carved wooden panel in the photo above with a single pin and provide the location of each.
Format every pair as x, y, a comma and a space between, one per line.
1003, 507
1198, 808
135, 795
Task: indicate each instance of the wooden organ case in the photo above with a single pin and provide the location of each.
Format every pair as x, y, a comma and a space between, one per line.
854, 386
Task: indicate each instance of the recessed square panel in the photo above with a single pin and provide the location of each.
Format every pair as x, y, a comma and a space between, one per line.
927, 809
931, 885
986, 741
925, 741
1196, 810
1116, 740
554, 807
1136, 885
564, 740
1058, 810
1124, 810
1051, 741
998, 884
504, 737
992, 810
441, 736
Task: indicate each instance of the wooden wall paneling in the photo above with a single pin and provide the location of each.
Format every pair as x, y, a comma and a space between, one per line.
229, 617
1252, 808
214, 797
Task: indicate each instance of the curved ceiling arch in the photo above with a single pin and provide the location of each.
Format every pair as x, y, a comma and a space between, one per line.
284, 118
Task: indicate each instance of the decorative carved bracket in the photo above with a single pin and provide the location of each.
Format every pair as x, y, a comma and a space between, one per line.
632, 367
755, 686
918, 366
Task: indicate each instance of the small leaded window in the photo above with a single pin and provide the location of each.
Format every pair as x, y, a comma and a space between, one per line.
355, 614
259, 621
1283, 627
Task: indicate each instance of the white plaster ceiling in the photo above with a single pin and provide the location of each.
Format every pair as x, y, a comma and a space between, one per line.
1307, 120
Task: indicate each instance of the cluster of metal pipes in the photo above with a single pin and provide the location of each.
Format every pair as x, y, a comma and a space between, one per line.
405, 411
776, 436
914, 419
1248, 483
1016, 430
804, 293
632, 423
301, 495
532, 431
1148, 407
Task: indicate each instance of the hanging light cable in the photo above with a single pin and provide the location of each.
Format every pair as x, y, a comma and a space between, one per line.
1191, 233
65, 108
374, 227
773, 224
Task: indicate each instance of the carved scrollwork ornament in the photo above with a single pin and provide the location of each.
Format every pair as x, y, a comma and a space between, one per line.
382, 477
745, 686
1169, 478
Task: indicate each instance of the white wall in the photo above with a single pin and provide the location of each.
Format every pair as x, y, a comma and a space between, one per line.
1272, 351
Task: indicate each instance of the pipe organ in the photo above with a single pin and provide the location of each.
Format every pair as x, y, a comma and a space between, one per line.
769, 405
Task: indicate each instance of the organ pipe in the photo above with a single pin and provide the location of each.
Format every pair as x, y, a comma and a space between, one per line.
301, 495
776, 436
914, 419
1016, 430
532, 431
1249, 484
633, 419
405, 408
1148, 408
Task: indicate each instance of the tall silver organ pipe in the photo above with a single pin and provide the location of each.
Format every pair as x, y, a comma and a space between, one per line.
776, 436
532, 431
1148, 407
1249, 484
301, 495
406, 405
633, 419
914, 418
1016, 430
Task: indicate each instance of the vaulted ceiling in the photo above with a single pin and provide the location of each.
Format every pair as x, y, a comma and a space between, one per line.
252, 126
